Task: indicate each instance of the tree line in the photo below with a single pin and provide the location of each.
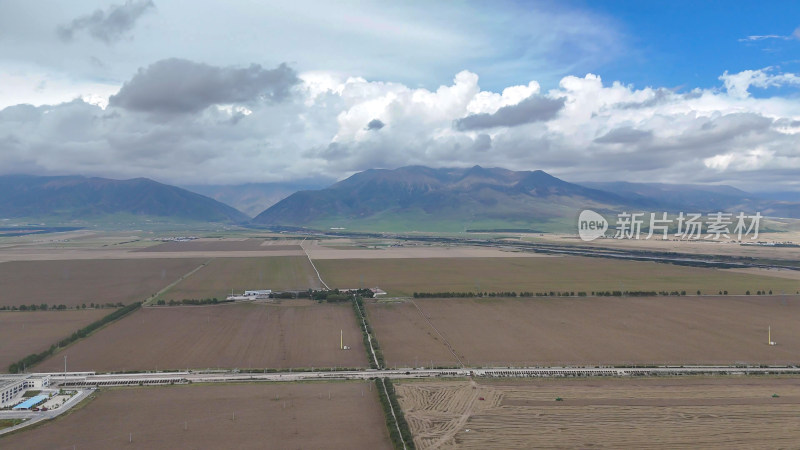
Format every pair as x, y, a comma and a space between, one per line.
61, 307
366, 333
388, 399
191, 301
614, 293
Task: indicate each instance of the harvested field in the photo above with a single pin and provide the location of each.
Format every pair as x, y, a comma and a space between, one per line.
23, 333
588, 331
275, 415
701, 412
403, 277
227, 245
322, 252
240, 274
73, 282
60, 254
229, 336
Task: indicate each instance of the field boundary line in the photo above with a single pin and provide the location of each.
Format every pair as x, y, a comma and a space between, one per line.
446, 342
312, 264
150, 300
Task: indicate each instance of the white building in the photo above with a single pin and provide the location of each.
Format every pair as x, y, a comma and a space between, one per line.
258, 293
10, 390
13, 386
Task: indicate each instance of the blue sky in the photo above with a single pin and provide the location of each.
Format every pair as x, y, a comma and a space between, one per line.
690, 44
193, 91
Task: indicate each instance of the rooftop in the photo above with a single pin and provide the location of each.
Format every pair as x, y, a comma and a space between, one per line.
33, 401
7, 380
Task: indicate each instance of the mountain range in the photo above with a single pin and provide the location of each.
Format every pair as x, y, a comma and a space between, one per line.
413, 198
448, 199
82, 198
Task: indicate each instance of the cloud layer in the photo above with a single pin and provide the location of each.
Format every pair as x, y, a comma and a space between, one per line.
532, 109
107, 26
176, 86
185, 122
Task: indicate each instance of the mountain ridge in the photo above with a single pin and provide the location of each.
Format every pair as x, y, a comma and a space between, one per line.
453, 199
79, 197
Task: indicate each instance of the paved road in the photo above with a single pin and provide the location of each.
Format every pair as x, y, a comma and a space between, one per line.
89, 379
38, 416
85, 382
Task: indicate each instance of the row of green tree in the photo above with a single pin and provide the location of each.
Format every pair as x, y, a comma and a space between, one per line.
36, 358
618, 293
366, 334
388, 399
61, 307
336, 296
191, 301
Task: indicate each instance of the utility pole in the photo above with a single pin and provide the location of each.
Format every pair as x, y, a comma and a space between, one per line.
65, 364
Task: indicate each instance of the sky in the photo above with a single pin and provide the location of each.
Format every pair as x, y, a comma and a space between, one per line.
199, 92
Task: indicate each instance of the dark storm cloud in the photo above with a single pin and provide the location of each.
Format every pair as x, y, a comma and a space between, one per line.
624, 135
107, 26
375, 124
532, 109
175, 86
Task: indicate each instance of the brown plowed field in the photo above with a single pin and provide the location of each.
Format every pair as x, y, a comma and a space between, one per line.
229, 336
73, 282
23, 333
697, 412
222, 275
403, 277
274, 415
589, 331
227, 245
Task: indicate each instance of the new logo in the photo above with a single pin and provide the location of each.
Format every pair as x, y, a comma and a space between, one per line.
591, 225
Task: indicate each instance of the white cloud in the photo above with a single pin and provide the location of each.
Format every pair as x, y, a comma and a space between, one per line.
795, 35
603, 132
23, 85
738, 84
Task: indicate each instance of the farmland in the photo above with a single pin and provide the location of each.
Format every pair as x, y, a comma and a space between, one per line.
702, 412
588, 331
403, 277
227, 245
76, 282
232, 335
23, 333
223, 274
284, 415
